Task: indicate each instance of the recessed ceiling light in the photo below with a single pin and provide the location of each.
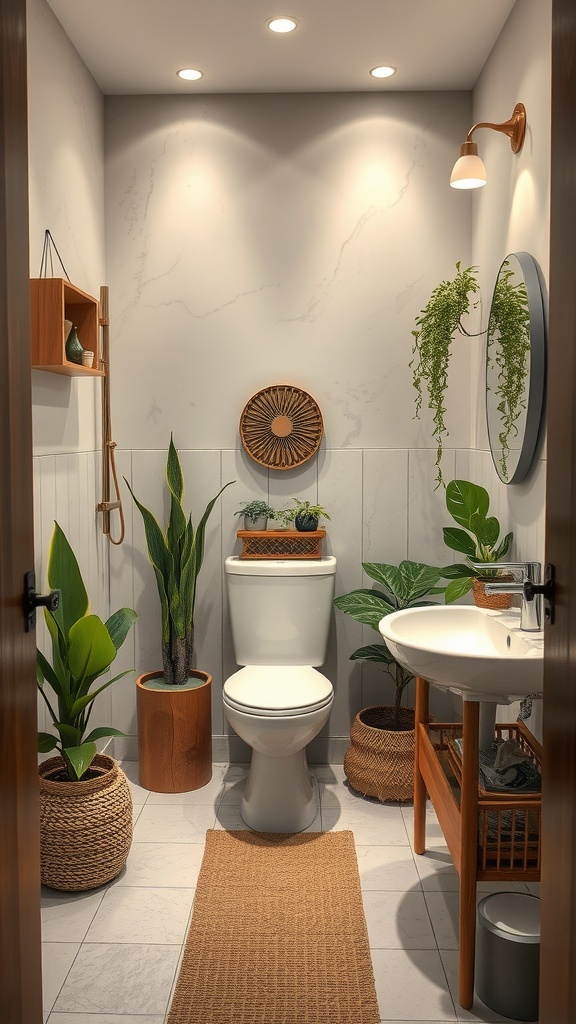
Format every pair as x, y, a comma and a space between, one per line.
385, 71
282, 24
189, 74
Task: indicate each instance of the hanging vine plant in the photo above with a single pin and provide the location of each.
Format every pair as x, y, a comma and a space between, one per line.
507, 354
508, 345
436, 327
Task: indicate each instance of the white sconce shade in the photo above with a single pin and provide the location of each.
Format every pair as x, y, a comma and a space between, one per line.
468, 172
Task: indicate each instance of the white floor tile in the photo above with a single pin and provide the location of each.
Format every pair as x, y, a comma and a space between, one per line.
387, 868
411, 986
149, 915
210, 794
68, 915
398, 920
139, 794
57, 959
443, 910
117, 978
105, 1018
373, 823
436, 870
162, 864
175, 823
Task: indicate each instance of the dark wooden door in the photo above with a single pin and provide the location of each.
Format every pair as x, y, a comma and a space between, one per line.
558, 950
20, 962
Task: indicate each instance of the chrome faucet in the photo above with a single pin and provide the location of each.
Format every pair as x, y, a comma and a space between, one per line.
531, 607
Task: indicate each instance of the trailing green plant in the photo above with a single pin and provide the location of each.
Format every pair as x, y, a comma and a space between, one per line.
508, 348
176, 556
436, 327
403, 586
83, 648
255, 509
284, 517
477, 536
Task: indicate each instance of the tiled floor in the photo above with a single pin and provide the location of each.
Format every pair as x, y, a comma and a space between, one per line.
111, 956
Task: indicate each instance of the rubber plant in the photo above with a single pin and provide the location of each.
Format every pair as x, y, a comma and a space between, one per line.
436, 327
83, 648
176, 555
402, 586
508, 348
477, 536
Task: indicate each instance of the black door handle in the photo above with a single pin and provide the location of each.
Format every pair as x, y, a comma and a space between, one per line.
33, 600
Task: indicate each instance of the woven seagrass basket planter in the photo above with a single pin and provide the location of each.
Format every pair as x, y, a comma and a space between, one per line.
497, 602
85, 827
380, 760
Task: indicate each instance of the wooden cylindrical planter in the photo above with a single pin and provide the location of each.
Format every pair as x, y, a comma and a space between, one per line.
174, 735
380, 760
85, 827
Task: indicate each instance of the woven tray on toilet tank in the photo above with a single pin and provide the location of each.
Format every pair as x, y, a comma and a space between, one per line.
281, 543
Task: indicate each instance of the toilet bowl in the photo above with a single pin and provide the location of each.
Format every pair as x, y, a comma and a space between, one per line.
278, 702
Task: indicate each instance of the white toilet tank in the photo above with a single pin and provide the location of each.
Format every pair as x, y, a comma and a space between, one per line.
280, 609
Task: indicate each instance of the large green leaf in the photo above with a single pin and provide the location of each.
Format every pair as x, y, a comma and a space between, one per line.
98, 734
406, 582
366, 606
487, 530
46, 742
373, 652
464, 499
174, 476
91, 649
503, 548
157, 550
457, 588
79, 759
459, 541
64, 575
457, 570
119, 625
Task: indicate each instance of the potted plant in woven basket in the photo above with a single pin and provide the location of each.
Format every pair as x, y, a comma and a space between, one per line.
478, 537
85, 801
174, 704
380, 759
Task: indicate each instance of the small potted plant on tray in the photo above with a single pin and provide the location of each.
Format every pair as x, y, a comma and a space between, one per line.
174, 705
256, 514
305, 515
380, 759
85, 802
478, 537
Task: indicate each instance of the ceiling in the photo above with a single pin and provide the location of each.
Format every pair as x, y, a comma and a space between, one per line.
136, 46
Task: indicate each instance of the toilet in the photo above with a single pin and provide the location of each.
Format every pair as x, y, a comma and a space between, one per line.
278, 702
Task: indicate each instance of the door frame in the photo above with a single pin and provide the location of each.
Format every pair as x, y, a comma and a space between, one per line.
20, 938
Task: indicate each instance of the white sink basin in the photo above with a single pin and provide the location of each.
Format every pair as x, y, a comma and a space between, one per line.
481, 654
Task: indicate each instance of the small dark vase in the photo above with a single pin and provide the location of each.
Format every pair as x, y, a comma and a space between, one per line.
305, 523
73, 347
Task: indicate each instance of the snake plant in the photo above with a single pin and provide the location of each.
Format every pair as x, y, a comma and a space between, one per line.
176, 556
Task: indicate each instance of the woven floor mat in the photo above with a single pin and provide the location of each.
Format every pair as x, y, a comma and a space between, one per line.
278, 934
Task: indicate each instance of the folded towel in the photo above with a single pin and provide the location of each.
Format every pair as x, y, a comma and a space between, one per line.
505, 767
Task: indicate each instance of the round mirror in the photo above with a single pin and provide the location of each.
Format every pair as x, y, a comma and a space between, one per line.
515, 366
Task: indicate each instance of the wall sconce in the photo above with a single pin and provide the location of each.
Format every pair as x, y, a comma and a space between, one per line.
469, 171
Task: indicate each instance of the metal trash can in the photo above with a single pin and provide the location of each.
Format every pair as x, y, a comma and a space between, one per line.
508, 954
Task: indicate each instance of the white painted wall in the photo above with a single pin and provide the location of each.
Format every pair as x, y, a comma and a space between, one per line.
66, 142
252, 240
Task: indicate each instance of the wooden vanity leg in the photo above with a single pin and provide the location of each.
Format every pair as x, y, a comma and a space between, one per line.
421, 714
469, 852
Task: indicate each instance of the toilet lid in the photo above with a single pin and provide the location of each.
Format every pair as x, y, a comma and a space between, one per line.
272, 690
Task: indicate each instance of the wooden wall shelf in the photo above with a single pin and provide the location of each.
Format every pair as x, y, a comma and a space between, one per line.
54, 300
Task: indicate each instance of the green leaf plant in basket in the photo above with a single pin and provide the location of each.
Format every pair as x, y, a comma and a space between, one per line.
402, 586
83, 649
477, 536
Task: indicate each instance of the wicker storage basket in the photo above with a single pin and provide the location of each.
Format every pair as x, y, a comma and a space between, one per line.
380, 760
85, 827
281, 543
497, 602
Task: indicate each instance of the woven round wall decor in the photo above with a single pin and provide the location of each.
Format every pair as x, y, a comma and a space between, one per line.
281, 427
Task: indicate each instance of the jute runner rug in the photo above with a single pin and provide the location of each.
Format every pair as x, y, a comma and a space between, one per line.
278, 934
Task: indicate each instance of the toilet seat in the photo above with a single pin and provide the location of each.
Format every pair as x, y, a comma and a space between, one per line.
277, 690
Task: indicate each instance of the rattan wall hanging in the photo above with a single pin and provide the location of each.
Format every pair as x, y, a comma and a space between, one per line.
281, 427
